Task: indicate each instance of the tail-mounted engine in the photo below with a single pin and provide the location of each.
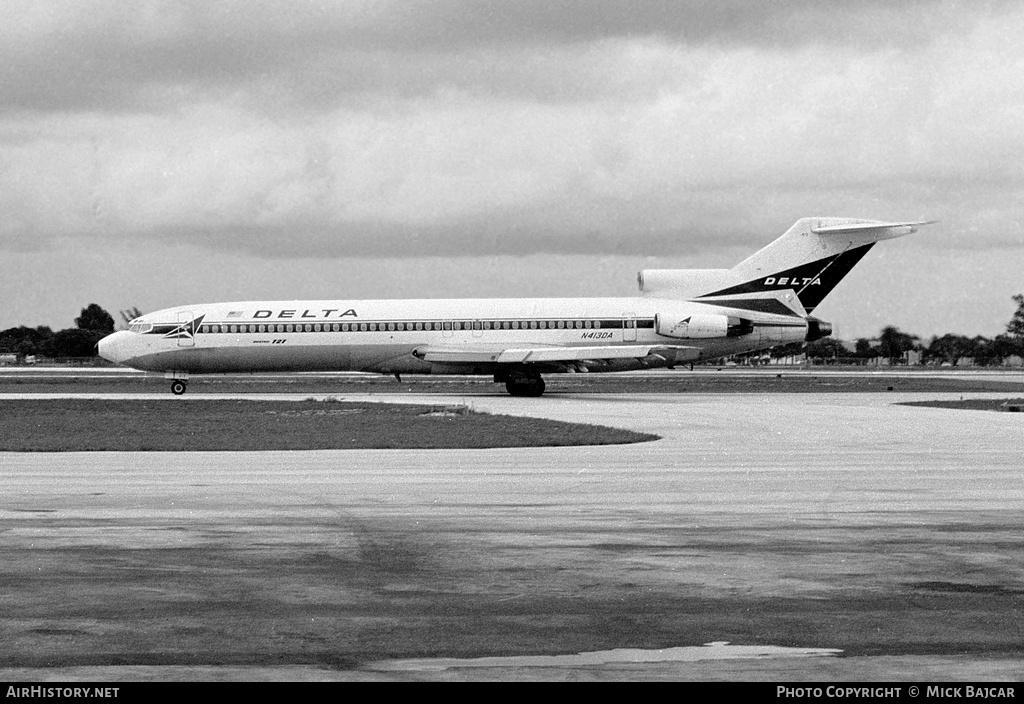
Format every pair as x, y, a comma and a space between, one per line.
817, 329
701, 326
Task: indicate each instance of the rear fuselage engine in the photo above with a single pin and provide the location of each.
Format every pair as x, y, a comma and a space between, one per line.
703, 326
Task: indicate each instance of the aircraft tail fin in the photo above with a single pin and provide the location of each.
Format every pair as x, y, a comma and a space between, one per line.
812, 257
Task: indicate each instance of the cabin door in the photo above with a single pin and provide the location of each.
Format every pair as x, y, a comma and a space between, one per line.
629, 327
186, 329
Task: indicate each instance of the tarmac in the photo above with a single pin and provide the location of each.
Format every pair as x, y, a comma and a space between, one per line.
846, 537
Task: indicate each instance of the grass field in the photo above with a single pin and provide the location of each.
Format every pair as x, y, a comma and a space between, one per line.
989, 404
208, 425
73, 425
786, 380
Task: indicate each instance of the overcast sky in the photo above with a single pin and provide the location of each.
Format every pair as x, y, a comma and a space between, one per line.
160, 153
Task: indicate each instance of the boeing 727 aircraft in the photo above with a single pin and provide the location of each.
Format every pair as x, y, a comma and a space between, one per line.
682, 315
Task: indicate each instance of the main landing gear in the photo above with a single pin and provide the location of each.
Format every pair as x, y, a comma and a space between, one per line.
179, 381
525, 385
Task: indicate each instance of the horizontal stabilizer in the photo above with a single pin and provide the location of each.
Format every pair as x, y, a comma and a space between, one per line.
527, 355
870, 226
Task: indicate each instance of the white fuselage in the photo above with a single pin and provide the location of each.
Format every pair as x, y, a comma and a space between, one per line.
683, 316
385, 335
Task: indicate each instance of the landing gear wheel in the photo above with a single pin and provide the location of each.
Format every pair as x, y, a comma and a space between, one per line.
528, 386
178, 387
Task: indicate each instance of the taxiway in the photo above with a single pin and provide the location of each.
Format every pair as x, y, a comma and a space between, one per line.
846, 522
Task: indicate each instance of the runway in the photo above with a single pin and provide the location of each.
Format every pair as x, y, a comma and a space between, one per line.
890, 533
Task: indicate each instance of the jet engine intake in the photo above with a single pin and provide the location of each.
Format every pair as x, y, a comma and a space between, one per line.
701, 326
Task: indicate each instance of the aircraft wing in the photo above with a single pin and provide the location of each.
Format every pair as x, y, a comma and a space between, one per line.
526, 355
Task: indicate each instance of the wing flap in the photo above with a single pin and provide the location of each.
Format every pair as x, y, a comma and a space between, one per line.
527, 355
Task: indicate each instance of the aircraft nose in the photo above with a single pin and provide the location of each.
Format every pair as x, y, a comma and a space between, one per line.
114, 347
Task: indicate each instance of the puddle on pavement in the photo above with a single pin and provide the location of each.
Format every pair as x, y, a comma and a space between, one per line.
718, 650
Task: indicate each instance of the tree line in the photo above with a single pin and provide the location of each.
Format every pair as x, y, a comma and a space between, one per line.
892, 344
80, 341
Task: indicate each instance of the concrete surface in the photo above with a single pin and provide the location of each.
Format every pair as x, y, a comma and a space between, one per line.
843, 522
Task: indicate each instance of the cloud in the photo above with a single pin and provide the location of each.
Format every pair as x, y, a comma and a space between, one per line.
112, 55
461, 128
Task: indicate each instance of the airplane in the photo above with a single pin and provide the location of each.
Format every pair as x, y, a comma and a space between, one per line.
681, 316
